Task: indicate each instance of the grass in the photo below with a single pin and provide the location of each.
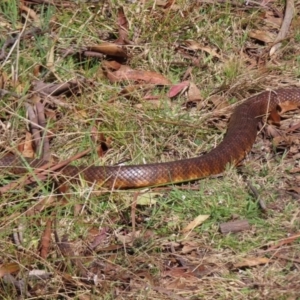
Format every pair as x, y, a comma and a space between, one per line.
154, 265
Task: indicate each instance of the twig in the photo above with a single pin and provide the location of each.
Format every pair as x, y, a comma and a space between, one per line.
35, 126
234, 226
285, 241
288, 16
133, 215
45, 149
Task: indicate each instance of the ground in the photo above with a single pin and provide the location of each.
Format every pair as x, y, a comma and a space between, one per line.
147, 81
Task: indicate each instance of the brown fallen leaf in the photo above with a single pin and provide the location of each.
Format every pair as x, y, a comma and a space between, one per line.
46, 240
26, 148
251, 262
295, 189
110, 49
189, 246
125, 73
123, 27
263, 36
287, 106
194, 94
269, 18
176, 89
102, 143
285, 241
129, 237
284, 140
31, 13
8, 268
193, 45
111, 64
294, 170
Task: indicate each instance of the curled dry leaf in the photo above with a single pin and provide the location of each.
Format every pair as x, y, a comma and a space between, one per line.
109, 49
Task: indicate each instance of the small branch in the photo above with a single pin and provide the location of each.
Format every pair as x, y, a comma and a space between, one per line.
287, 20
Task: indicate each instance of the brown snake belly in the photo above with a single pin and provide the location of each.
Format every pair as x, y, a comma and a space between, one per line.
240, 136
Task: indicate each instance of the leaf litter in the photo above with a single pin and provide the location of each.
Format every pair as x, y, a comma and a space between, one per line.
127, 252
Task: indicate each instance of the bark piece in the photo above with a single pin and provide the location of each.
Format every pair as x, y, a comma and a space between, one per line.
234, 226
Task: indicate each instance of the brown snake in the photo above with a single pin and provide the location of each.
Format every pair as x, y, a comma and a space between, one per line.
240, 136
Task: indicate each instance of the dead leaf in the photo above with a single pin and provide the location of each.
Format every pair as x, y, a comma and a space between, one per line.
125, 73
287, 106
8, 268
178, 88
251, 262
189, 246
263, 36
219, 101
193, 45
123, 27
271, 19
111, 64
295, 189
284, 140
285, 241
294, 170
26, 148
46, 240
103, 143
31, 13
129, 237
194, 94
196, 222
109, 49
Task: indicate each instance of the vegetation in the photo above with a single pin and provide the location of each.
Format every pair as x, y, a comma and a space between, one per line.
73, 242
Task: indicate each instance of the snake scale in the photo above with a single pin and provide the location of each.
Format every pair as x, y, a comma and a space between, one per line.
240, 137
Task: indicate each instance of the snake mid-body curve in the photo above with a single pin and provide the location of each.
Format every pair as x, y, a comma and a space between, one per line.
238, 141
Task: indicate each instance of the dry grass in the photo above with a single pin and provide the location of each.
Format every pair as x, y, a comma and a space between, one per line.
160, 262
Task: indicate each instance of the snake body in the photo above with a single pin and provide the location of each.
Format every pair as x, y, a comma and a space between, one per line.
238, 141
